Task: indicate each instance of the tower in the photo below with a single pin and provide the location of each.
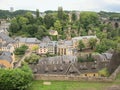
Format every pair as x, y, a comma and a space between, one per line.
11, 9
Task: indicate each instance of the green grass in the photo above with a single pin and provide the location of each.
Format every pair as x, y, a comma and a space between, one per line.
67, 85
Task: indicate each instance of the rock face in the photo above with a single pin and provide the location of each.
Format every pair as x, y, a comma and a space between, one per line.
114, 62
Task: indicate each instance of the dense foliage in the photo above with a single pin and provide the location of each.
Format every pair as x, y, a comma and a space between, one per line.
87, 58
21, 50
15, 79
33, 58
104, 72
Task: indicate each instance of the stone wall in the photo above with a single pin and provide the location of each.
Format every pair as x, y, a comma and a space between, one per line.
70, 78
114, 74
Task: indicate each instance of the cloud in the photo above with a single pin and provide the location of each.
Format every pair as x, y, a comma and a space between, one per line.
42, 5
112, 1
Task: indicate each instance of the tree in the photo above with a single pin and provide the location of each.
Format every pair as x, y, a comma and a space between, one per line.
49, 20
15, 79
29, 16
105, 45
100, 48
14, 26
32, 29
101, 35
74, 17
33, 58
92, 42
81, 45
23, 21
42, 32
104, 72
87, 18
21, 50
58, 26
35, 48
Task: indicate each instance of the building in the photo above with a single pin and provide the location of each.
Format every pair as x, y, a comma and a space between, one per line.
30, 42
65, 47
53, 32
85, 40
11, 9
67, 65
52, 47
43, 49
4, 26
6, 43
6, 60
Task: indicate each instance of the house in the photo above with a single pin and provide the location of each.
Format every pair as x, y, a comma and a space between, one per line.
65, 47
85, 40
52, 47
53, 32
6, 60
9, 48
6, 43
43, 49
30, 42
4, 26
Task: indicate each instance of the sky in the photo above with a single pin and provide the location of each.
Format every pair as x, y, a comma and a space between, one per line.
80, 5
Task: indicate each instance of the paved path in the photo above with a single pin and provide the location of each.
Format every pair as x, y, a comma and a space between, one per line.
22, 59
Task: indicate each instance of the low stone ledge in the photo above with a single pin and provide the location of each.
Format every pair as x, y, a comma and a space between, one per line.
70, 78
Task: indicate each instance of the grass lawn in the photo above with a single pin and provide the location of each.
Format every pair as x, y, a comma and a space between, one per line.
67, 85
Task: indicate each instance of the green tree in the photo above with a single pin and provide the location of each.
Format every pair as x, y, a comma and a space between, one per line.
15, 79
30, 18
33, 58
87, 18
101, 35
49, 20
104, 72
58, 26
92, 42
105, 45
21, 50
14, 26
23, 20
74, 17
35, 48
32, 29
81, 45
42, 32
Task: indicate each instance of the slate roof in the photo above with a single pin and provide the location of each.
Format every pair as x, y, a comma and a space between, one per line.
65, 66
43, 45
52, 43
46, 39
28, 40
83, 37
108, 55
103, 57
68, 43
6, 56
6, 38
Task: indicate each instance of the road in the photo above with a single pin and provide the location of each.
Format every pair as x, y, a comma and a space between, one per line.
22, 59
